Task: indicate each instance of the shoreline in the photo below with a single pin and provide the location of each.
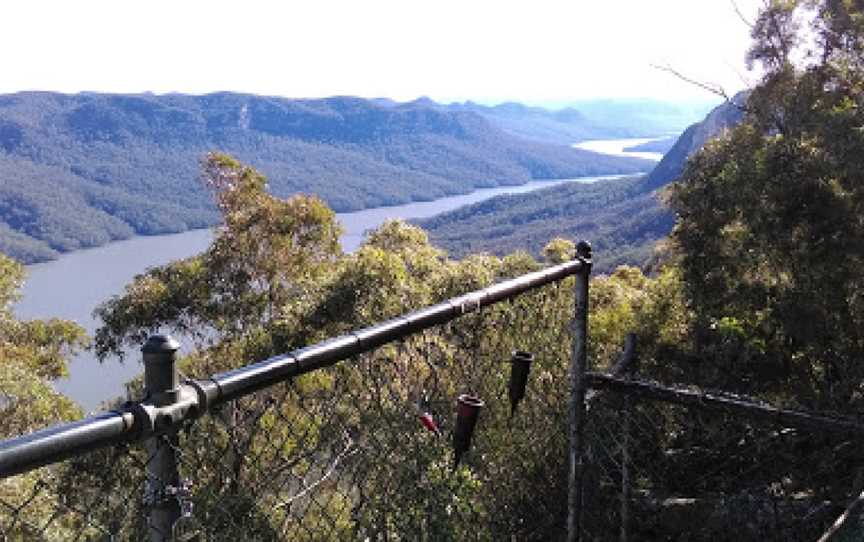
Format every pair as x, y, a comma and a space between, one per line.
67, 253
104, 271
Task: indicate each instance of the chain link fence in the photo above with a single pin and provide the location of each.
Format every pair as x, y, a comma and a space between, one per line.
667, 463
376, 447
451, 423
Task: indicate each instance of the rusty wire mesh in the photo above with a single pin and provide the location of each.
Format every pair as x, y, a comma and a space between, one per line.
349, 452
665, 471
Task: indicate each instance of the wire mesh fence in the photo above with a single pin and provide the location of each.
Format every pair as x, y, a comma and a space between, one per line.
362, 450
688, 471
452, 423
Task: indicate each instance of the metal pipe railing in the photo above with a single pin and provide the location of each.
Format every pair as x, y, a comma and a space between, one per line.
744, 407
142, 420
64, 441
243, 381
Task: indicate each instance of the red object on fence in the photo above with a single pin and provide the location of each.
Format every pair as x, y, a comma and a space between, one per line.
429, 423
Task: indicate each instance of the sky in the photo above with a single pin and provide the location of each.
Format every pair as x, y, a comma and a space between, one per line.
536, 51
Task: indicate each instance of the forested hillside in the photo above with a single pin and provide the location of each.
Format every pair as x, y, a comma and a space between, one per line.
622, 221
694, 138
80, 170
624, 218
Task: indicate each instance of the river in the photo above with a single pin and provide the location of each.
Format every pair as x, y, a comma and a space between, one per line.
616, 147
74, 284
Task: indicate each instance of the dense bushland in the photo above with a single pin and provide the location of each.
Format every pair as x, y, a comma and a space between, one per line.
81, 170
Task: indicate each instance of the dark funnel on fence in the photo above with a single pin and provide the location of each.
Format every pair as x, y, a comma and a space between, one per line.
467, 411
520, 366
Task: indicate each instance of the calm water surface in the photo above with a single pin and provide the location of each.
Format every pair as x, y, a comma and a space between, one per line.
74, 284
617, 146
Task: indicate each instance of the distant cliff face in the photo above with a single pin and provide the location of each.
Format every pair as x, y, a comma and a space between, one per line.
600, 119
694, 138
622, 218
81, 170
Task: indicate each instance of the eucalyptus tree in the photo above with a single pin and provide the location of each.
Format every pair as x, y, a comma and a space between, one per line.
769, 216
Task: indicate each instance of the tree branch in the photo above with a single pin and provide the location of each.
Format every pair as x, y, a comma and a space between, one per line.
741, 16
710, 87
307, 488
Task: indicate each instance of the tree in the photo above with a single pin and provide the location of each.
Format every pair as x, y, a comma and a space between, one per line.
769, 227
273, 280
32, 353
268, 257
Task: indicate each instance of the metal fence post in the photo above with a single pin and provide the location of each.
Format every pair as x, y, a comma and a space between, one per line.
629, 363
162, 387
577, 395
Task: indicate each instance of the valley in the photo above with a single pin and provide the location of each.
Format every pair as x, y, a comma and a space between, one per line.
79, 171
71, 286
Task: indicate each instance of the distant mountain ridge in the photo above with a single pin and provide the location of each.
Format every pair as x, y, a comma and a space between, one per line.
623, 218
642, 117
81, 170
564, 126
600, 119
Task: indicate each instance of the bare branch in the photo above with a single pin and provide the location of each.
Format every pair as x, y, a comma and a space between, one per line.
307, 488
710, 87
741, 16
741, 77
713, 88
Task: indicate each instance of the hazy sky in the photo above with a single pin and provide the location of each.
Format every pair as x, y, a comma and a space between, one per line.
530, 50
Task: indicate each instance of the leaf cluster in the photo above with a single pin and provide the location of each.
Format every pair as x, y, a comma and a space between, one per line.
769, 222
265, 286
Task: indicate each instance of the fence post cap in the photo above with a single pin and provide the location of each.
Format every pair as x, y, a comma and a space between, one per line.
160, 344
583, 249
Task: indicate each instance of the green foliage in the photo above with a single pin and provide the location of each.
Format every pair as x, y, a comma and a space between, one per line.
11, 278
626, 301
621, 219
769, 217
83, 170
559, 250
38, 347
270, 283
268, 254
31, 354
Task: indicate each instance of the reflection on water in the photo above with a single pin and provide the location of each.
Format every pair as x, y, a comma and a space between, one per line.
616, 147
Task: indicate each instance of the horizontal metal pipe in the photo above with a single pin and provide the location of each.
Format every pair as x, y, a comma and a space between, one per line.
249, 379
54, 444
381, 334
256, 376
427, 317
740, 407
61, 442
326, 353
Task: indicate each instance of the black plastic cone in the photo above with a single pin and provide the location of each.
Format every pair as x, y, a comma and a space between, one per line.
467, 411
520, 366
